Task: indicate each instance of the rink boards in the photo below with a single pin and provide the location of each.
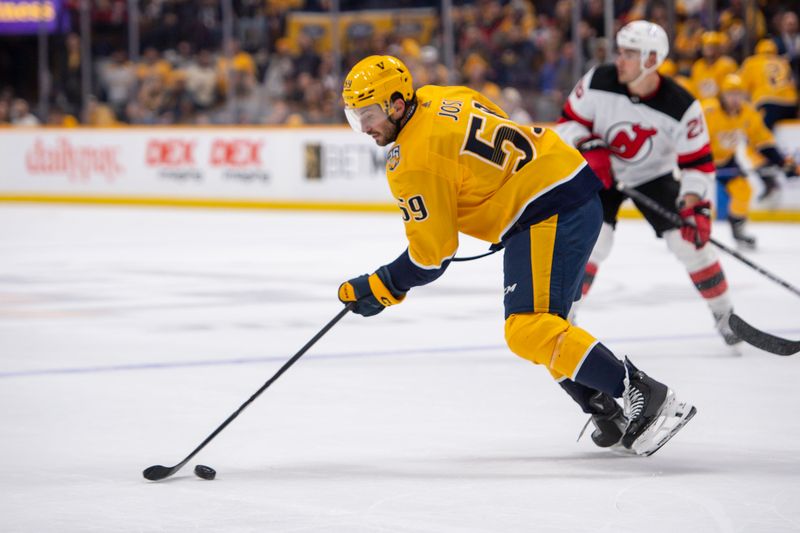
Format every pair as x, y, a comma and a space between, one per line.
329, 168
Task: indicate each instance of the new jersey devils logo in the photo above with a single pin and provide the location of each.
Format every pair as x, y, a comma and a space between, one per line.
630, 141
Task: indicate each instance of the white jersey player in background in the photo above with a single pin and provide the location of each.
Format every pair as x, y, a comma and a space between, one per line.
649, 134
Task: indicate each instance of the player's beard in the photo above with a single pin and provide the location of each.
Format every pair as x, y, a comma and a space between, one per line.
391, 135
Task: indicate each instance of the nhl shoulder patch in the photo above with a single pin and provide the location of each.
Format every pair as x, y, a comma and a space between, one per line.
393, 158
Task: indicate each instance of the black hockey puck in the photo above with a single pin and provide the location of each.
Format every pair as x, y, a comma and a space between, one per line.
205, 472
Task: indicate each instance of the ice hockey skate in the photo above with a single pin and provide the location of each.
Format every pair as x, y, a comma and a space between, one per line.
608, 419
743, 239
730, 338
653, 411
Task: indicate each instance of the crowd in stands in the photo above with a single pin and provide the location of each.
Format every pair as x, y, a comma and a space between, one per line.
520, 53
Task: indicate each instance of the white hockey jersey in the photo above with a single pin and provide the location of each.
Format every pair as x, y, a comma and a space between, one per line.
648, 137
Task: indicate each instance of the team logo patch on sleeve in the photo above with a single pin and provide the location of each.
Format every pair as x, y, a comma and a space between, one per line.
393, 158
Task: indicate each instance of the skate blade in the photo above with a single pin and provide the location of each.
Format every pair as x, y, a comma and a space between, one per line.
673, 416
734, 350
619, 449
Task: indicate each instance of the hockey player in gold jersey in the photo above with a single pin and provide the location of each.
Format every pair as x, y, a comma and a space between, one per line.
767, 77
709, 70
459, 165
735, 126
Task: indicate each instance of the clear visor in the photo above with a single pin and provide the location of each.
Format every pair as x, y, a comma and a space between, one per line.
365, 119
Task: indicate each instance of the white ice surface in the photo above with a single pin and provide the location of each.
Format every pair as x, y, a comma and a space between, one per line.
128, 335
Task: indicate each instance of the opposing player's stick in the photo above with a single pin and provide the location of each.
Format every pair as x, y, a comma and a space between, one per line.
676, 219
158, 472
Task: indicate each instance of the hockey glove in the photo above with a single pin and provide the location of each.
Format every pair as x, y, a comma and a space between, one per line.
696, 226
372, 293
769, 177
790, 167
595, 151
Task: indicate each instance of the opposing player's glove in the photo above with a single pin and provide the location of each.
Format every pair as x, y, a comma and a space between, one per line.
696, 226
595, 151
371, 292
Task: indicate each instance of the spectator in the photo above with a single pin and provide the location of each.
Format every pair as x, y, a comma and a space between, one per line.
670, 69
278, 112
118, 81
152, 65
206, 27
307, 60
279, 70
135, 113
108, 19
511, 103
555, 78
789, 41
68, 74
59, 118
181, 57
688, 40
21, 114
240, 70
202, 81
732, 23
594, 15
517, 55
599, 53
178, 106
99, 114
5, 117
152, 95
476, 72
251, 22
167, 33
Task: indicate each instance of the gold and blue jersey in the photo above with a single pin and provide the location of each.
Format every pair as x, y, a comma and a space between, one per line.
706, 77
460, 165
768, 80
730, 131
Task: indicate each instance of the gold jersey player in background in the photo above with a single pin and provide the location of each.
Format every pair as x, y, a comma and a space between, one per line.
458, 164
736, 128
767, 77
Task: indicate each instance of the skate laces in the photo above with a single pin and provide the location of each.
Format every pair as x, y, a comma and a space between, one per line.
635, 401
586, 425
634, 398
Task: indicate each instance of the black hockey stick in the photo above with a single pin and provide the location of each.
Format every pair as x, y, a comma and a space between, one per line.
761, 339
676, 219
473, 257
158, 472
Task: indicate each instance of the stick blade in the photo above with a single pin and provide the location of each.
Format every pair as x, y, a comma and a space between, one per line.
762, 339
157, 472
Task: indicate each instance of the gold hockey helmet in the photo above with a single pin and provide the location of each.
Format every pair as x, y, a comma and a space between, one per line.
732, 82
714, 38
374, 80
766, 46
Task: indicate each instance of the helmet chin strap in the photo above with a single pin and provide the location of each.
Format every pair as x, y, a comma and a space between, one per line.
645, 70
411, 107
